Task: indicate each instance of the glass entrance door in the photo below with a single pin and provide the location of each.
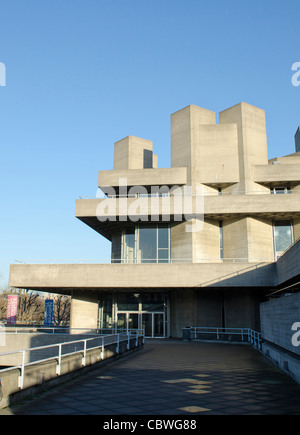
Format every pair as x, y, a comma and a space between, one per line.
128, 320
153, 324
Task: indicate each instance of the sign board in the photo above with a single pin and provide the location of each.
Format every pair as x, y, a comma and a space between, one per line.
12, 308
48, 316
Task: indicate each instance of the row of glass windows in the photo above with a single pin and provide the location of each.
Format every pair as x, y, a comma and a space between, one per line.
152, 244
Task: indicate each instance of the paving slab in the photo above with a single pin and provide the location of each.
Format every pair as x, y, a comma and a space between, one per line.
173, 377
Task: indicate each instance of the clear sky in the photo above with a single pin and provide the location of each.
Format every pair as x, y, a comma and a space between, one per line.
82, 74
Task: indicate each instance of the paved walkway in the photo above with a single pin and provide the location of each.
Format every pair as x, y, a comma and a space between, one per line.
175, 377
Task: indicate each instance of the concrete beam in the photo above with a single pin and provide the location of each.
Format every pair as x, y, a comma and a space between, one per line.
68, 277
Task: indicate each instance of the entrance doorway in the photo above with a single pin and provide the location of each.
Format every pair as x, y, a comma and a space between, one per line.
127, 310
152, 323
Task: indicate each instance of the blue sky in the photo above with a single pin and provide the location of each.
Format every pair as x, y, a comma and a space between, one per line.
82, 74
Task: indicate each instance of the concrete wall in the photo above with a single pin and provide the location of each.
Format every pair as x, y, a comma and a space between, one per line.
230, 308
84, 310
288, 266
277, 318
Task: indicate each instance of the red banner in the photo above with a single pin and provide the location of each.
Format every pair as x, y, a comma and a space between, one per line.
12, 308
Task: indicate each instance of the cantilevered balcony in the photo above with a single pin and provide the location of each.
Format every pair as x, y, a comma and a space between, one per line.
111, 214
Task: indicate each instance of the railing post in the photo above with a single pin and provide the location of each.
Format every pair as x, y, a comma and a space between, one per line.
58, 367
118, 344
84, 354
21, 377
128, 343
102, 349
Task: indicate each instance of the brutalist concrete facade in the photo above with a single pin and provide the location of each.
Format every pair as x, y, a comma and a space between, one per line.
195, 244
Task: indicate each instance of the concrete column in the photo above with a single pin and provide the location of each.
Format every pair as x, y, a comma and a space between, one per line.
84, 310
248, 239
206, 243
296, 229
182, 311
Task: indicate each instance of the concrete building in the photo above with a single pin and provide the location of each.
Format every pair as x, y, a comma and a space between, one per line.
195, 244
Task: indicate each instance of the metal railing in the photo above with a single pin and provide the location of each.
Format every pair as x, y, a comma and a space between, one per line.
173, 194
149, 261
80, 347
21, 329
226, 334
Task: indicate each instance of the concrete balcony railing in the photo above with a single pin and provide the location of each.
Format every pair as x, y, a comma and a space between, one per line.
210, 206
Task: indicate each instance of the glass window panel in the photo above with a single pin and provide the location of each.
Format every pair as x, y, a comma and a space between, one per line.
122, 324
153, 302
163, 256
128, 302
221, 240
283, 235
147, 249
129, 246
147, 324
107, 312
158, 325
163, 237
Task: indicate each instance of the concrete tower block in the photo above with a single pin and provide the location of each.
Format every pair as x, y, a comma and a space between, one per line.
297, 140
184, 127
134, 153
208, 150
252, 141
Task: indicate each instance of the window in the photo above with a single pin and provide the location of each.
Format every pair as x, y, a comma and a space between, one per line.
221, 240
146, 244
280, 190
129, 245
283, 236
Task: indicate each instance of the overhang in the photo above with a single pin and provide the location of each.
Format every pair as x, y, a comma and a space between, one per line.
63, 278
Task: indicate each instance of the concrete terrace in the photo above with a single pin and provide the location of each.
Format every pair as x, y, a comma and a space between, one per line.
172, 377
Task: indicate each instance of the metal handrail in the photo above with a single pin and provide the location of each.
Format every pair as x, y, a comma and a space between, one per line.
15, 329
140, 261
173, 194
253, 337
117, 339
